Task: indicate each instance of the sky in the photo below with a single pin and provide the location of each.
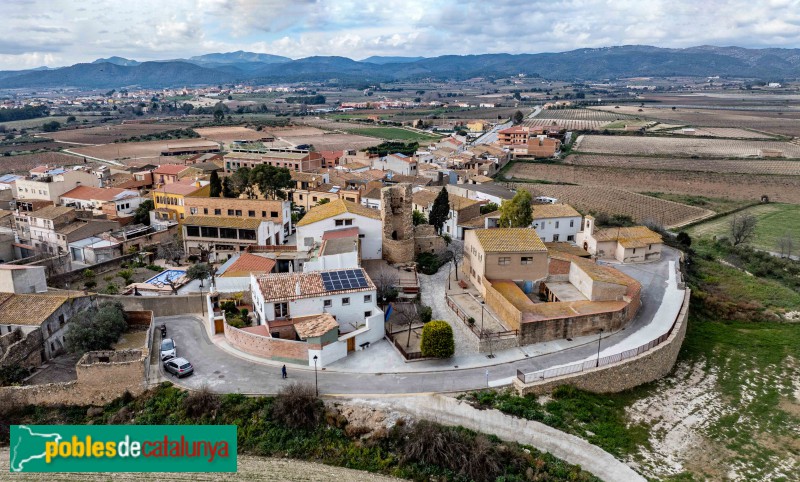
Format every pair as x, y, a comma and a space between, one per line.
63, 32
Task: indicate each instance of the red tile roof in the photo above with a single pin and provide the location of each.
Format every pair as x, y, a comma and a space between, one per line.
340, 233
293, 286
89, 193
249, 263
170, 169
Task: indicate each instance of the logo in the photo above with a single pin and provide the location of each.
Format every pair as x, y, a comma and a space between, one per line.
123, 448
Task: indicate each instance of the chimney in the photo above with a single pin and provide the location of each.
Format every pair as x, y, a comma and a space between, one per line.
297, 288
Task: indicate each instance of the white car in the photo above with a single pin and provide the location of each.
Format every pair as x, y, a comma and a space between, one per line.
168, 349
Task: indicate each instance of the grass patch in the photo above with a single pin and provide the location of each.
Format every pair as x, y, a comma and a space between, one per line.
774, 221
718, 205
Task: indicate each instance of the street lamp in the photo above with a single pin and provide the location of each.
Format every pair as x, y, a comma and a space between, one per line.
598, 348
482, 304
316, 384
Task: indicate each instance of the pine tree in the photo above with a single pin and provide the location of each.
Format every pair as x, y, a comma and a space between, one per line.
440, 210
216, 185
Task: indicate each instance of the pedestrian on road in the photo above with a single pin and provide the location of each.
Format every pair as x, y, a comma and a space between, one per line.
283, 371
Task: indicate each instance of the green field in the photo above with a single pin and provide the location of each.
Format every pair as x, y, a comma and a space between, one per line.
38, 121
391, 133
718, 205
774, 221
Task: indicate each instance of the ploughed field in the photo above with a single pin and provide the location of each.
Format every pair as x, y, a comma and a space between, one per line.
26, 162
108, 133
681, 147
765, 166
609, 200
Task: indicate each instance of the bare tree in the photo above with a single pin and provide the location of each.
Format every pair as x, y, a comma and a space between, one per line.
385, 282
408, 316
456, 250
205, 251
786, 245
171, 250
742, 228
173, 284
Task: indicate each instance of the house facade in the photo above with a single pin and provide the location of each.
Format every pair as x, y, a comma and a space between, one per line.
556, 222
397, 163
341, 214
52, 184
635, 244
120, 202
516, 254
276, 211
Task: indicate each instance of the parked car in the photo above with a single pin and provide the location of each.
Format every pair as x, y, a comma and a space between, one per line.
180, 367
168, 349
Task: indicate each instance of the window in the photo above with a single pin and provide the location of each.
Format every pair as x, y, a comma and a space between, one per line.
556, 224
192, 231
301, 196
61, 320
572, 223
218, 212
367, 314
367, 298
274, 214
634, 250
263, 214
340, 222
527, 260
281, 310
345, 301
205, 210
555, 237
504, 260
314, 199
238, 213
570, 238
327, 303
230, 212
348, 222
251, 214
192, 211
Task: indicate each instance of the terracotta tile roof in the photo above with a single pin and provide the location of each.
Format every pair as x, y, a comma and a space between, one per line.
509, 240
598, 272
89, 193
306, 176
340, 233
633, 237
293, 286
315, 326
222, 222
480, 221
374, 193
170, 169
459, 203
334, 208
544, 211
29, 310
51, 212
560, 247
178, 188
249, 263
424, 197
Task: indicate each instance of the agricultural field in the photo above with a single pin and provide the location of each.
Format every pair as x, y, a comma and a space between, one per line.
45, 145
728, 132
334, 142
228, 134
681, 147
38, 121
25, 162
616, 201
747, 187
108, 133
774, 222
569, 124
583, 114
716, 204
149, 151
391, 133
766, 166
785, 123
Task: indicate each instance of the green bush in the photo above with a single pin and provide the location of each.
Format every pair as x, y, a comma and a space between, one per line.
425, 313
111, 289
13, 374
96, 328
437, 340
155, 267
429, 263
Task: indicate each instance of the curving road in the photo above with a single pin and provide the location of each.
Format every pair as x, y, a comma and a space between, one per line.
223, 371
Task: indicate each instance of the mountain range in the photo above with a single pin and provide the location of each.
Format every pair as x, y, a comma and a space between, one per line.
581, 64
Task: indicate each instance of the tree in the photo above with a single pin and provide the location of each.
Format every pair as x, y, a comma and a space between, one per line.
386, 284
96, 328
126, 275
437, 340
456, 251
171, 250
408, 316
216, 185
418, 218
489, 208
51, 126
271, 181
323, 201
684, 239
241, 183
142, 213
440, 210
518, 117
742, 228
227, 188
219, 115
199, 271
517, 213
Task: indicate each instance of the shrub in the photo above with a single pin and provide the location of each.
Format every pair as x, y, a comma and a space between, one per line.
235, 321
13, 374
126, 275
429, 263
437, 340
244, 312
155, 267
96, 328
201, 403
112, 289
89, 284
425, 313
297, 406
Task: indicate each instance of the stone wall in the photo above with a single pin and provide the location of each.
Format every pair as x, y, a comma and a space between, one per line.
398, 226
167, 305
625, 374
22, 349
59, 280
102, 377
268, 347
509, 313
575, 326
427, 241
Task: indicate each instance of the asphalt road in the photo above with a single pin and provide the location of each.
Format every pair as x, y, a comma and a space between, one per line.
224, 372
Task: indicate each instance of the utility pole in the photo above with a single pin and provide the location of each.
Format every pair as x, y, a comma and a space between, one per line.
598, 348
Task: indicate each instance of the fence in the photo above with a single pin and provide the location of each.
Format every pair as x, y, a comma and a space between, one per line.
463, 316
393, 338
599, 362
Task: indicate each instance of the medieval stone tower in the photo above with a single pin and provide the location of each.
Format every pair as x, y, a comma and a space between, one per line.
398, 227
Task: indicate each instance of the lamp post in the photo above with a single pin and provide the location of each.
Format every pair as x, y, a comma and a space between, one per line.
316, 384
598, 348
482, 303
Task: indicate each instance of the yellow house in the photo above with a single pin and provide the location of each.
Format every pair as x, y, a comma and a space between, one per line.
168, 200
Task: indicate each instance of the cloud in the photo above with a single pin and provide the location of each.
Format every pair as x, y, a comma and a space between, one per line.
156, 29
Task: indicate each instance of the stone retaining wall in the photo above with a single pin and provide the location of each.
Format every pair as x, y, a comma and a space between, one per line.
625, 374
509, 313
22, 349
267, 347
167, 305
102, 377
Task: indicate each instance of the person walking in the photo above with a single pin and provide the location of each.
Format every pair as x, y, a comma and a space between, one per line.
283, 372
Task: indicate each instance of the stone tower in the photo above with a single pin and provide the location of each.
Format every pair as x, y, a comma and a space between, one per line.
398, 227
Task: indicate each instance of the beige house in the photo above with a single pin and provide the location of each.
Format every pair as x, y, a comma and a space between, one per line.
635, 244
516, 254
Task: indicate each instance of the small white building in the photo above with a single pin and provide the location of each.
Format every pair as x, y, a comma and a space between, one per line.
22, 279
50, 184
341, 214
556, 222
397, 163
121, 202
636, 244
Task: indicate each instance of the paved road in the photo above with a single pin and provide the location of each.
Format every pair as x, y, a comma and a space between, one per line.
224, 372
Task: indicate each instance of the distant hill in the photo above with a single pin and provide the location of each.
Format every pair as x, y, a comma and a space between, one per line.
117, 61
581, 64
380, 60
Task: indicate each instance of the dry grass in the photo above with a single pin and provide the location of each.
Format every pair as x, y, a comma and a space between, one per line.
230, 134
109, 133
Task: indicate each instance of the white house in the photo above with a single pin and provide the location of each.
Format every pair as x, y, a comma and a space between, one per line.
340, 214
122, 202
325, 309
398, 163
556, 222
51, 184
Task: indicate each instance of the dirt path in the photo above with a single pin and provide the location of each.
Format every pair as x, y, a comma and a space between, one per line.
250, 468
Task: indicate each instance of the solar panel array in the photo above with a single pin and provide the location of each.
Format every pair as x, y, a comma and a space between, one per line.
344, 280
